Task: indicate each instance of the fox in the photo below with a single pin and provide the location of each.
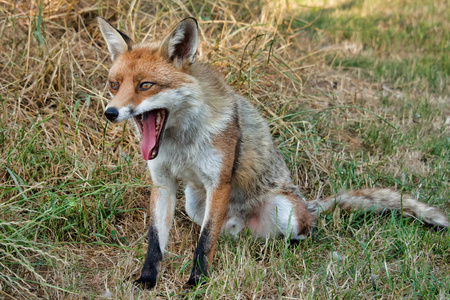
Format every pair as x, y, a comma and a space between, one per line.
194, 128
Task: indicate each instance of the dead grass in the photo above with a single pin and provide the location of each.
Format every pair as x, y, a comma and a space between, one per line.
74, 189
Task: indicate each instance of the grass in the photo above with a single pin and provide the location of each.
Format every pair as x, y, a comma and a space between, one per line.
355, 92
404, 43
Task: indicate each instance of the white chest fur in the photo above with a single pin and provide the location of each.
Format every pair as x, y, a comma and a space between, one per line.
182, 161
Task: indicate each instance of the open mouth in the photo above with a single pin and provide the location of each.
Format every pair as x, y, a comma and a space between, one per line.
151, 125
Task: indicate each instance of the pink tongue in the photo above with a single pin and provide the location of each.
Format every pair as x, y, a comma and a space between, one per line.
148, 135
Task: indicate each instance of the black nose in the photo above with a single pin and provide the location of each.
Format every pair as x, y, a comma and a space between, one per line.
111, 113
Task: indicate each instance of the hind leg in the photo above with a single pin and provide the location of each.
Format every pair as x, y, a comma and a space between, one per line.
281, 214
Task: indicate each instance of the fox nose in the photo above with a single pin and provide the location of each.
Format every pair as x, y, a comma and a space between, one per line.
111, 113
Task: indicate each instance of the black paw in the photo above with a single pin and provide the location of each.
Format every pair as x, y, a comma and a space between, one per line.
147, 281
194, 282
187, 287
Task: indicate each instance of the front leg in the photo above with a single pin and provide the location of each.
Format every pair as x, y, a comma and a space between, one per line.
216, 209
217, 199
162, 205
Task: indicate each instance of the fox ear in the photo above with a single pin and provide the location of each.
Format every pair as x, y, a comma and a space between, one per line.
116, 40
180, 45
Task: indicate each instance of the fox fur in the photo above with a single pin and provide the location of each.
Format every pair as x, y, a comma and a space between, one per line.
203, 133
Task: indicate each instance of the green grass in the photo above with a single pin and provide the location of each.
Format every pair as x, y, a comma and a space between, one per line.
404, 72
405, 43
74, 191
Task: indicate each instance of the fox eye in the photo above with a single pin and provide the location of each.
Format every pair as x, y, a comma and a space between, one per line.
114, 85
145, 85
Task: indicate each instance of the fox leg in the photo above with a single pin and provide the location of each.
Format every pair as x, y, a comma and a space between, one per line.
215, 211
162, 205
218, 194
281, 214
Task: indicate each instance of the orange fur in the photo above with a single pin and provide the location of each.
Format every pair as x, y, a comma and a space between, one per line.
301, 214
225, 143
143, 64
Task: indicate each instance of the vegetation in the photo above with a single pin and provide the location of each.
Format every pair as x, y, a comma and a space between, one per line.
355, 92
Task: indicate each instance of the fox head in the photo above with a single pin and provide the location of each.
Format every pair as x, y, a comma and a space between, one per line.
151, 82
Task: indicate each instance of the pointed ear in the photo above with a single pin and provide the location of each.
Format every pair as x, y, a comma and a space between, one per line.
180, 45
116, 40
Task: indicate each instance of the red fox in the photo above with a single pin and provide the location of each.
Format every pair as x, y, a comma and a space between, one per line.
193, 127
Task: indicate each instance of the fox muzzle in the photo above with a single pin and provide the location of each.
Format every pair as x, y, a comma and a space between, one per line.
111, 113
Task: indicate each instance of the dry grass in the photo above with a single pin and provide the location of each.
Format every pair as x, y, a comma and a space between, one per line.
74, 189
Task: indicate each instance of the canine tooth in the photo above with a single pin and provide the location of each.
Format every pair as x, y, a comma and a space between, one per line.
153, 153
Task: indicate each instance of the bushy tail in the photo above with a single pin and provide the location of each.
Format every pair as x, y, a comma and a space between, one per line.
379, 200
